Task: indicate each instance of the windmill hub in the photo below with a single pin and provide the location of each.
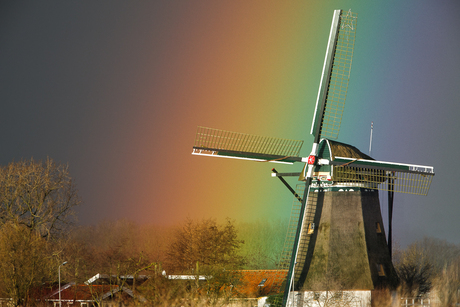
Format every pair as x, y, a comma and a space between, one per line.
311, 160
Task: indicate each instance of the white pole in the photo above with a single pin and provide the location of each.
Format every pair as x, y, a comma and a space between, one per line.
370, 143
291, 286
59, 277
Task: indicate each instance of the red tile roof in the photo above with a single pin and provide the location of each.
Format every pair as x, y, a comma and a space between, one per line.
251, 286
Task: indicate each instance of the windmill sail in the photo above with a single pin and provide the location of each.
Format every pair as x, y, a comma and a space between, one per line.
344, 165
336, 73
384, 176
226, 144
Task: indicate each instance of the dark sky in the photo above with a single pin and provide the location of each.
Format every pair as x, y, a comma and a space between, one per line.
116, 89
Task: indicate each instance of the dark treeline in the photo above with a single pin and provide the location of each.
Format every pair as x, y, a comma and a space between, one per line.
210, 247
259, 244
429, 265
203, 247
38, 234
425, 265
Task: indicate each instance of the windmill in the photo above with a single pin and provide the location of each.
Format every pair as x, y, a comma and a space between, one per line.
339, 237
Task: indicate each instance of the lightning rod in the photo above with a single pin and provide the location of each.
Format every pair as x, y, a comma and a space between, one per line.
370, 142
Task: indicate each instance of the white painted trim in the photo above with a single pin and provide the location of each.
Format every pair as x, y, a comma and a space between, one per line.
240, 158
412, 167
186, 277
331, 40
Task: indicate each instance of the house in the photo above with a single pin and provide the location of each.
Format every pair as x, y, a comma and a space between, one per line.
99, 290
86, 295
108, 290
105, 279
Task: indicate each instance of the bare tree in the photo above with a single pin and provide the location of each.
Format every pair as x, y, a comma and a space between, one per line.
415, 271
36, 202
447, 284
25, 260
111, 249
440, 252
208, 249
39, 195
207, 244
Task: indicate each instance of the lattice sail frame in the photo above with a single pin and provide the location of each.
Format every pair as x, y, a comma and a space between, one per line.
401, 182
216, 142
336, 74
340, 75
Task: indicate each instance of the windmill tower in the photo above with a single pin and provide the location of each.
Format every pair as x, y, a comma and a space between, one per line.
339, 241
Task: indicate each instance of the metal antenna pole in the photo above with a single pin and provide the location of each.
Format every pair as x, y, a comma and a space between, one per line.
59, 277
370, 142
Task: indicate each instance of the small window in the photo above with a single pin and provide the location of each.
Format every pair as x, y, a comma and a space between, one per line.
378, 229
380, 269
262, 283
311, 228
